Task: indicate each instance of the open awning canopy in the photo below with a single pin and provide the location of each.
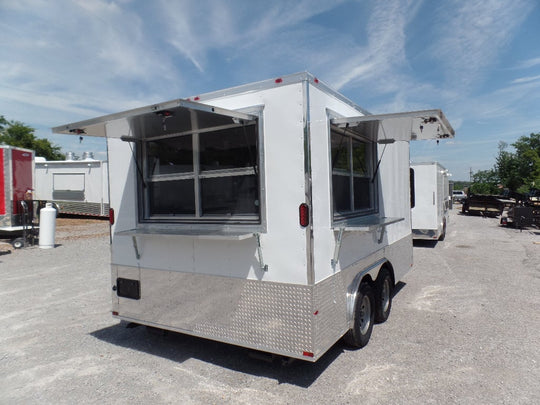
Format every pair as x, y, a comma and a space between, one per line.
406, 126
173, 117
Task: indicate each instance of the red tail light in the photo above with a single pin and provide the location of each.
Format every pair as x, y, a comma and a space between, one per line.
111, 216
304, 214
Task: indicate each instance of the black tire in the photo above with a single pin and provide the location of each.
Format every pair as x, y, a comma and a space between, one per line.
383, 295
363, 317
18, 243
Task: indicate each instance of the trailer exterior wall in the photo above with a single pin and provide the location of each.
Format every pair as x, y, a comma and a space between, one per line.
392, 192
76, 187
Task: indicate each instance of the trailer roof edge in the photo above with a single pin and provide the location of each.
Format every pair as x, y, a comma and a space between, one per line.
95, 126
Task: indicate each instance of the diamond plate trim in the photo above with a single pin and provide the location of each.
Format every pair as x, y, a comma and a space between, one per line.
269, 316
330, 300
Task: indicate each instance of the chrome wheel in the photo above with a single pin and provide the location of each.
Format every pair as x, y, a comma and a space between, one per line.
363, 318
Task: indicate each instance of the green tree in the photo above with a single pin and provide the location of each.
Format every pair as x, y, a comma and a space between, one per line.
461, 185
528, 157
520, 170
506, 165
485, 182
16, 133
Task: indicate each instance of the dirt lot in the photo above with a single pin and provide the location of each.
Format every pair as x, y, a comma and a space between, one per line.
464, 329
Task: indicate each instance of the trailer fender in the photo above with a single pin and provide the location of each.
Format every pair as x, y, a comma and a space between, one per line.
370, 274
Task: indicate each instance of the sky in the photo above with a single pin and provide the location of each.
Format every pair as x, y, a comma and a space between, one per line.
477, 60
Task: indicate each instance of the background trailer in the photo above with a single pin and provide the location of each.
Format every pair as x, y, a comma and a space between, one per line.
273, 216
432, 201
76, 186
16, 185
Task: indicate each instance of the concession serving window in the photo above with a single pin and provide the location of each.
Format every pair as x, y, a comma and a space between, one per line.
198, 164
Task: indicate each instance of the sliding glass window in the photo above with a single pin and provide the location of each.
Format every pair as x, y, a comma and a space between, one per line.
207, 176
353, 186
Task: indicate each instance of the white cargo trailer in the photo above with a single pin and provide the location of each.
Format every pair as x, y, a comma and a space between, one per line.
75, 186
432, 201
273, 216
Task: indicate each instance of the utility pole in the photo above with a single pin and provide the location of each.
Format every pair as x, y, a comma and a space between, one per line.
470, 175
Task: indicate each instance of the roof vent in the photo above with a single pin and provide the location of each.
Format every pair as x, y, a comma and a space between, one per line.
88, 156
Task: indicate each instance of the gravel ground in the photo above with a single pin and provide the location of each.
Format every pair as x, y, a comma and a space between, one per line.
464, 329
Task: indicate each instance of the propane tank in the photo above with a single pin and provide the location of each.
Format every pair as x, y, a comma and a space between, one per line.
47, 226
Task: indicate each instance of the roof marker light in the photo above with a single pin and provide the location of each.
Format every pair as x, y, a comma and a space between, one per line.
316, 80
279, 80
308, 354
196, 98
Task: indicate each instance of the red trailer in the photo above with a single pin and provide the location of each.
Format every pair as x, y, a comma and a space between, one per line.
16, 185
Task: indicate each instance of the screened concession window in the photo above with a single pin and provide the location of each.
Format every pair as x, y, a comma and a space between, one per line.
353, 187
354, 153
205, 170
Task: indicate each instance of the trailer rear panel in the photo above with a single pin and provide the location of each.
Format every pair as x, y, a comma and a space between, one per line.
430, 214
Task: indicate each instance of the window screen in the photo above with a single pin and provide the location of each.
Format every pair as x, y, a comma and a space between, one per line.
353, 189
205, 176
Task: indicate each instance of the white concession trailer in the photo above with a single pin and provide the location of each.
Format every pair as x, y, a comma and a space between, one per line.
77, 187
274, 216
432, 201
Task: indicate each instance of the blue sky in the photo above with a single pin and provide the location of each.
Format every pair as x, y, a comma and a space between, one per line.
477, 60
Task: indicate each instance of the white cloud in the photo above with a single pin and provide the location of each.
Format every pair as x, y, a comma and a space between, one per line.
526, 79
473, 33
384, 54
82, 58
199, 28
529, 63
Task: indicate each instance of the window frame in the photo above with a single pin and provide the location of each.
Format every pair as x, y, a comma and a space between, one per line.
145, 180
372, 156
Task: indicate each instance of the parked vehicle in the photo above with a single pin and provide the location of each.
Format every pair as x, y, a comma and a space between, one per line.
458, 196
273, 216
486, 205
534, 203
524, 212
430, 213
